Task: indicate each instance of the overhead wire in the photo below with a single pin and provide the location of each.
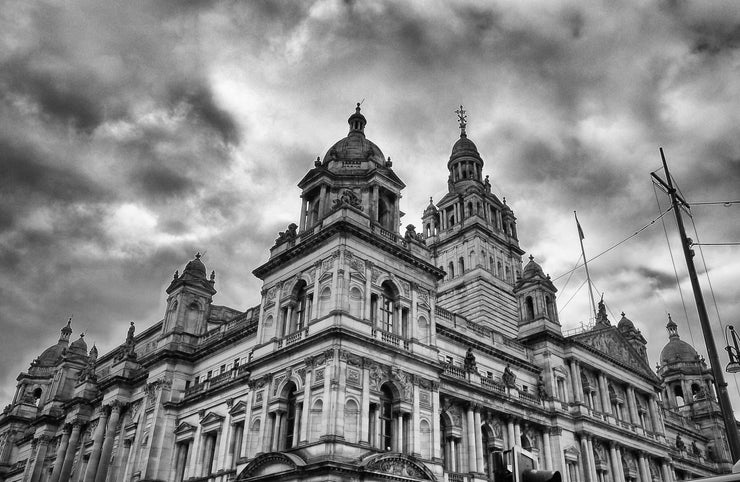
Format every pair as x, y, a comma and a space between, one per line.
574, 295
706, 273
617, 244
562, 290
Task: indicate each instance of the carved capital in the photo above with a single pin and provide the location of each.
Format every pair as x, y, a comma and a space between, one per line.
43, 439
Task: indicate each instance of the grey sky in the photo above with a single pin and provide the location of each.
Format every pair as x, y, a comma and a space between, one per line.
133, 134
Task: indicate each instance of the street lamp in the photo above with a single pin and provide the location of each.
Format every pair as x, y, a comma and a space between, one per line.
733, 351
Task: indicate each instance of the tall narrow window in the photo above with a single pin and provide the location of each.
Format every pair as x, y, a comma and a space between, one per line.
290, 417
386, 418
528, 308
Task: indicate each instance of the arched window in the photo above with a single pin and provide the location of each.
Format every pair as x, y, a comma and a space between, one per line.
678, 393
317, 415
290, 428
451, 270
254, 439
451, 220
355, 302
470, 208
471, 260
499, 270
423, 328
526, 443
388, 297
303, 307
351, 421
386, 418
549, 307
385, 213
425, 440
508, 274
461, 264
324, 301
528, 308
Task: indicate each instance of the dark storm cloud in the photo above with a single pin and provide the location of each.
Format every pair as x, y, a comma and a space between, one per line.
661, 280
31, 173
156, 181
201, 108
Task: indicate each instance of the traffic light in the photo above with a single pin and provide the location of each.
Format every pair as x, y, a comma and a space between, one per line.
519, 465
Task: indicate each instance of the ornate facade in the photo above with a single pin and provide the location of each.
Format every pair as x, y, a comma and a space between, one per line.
372, 355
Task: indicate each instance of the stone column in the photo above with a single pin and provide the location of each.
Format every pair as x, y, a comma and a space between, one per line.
586, 460
69, 455
302, 222
61, 450
340, 390
478, 439
127, 453
267, 424
576, 381
197, 455
223, 461
666, 471
276, 433
453, 455
472, 459
510, 432
92, 464
327, 409
632, 406
653, 407
368, 290
592, 459
110, 435
305, 420
644, 470
604, 389
548, 448
415, 429
364, 429
38, 466
616, 462
436, 436
618, 449
517, 433
247, 426
315, 305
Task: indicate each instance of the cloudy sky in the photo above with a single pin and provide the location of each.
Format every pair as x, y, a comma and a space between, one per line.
133, 134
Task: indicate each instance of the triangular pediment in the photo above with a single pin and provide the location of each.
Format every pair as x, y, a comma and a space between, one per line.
212, 418
610, 343
239, 408
184, 428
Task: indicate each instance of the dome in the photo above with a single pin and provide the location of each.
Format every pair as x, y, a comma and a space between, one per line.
532, 269
351, 151
195, 268
430, 209
676, 350
50, 356
79, 345
625, 324
464, 146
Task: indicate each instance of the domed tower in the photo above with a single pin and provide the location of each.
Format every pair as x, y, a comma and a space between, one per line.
354, 173
688, 387
633, 336
189, 300
472, 235
537, 310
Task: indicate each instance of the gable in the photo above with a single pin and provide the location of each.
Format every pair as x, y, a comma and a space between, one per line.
610, 343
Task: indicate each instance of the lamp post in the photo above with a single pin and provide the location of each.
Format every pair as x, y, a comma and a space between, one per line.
732, 350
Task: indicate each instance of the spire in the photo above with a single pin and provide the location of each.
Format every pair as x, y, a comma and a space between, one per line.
357, 122
462, 117
66, 331
672, 328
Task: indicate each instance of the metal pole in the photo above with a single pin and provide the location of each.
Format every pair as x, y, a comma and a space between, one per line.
585, 264
725, 404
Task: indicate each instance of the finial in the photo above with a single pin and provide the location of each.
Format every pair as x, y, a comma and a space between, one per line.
82, 335
213, 275
177, 273
388, 163
317, 162
623, 313
197, 255
69, 322
531, 257
462, 119
357, 109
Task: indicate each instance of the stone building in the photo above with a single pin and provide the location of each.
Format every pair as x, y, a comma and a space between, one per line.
372, 355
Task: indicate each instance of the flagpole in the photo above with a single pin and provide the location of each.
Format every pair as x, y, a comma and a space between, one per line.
585, 264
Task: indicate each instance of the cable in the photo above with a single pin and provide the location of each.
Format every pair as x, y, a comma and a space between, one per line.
715, 244
574, 295
562, 290
726, 204
675, 271
706, 272
621, 242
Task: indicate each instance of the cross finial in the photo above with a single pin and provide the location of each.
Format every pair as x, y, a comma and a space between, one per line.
463, 119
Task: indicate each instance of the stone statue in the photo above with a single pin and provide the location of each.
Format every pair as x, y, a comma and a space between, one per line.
470, 364
288, 235
509, 378
695, 449
680, 445
541, 390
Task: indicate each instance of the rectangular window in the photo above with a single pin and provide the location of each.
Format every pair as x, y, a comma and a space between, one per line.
223, 368
208, 375
236, 363
187, 384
